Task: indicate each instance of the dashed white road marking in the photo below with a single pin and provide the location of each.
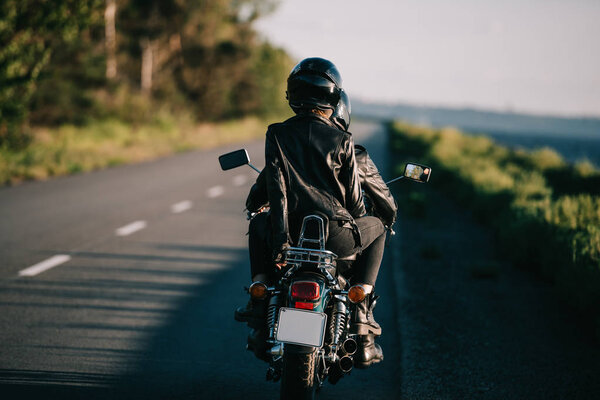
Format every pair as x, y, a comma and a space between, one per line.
181, 206
215, 191
240, 180
131, 228
45, 265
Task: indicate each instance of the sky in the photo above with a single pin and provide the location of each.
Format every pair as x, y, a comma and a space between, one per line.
537, 56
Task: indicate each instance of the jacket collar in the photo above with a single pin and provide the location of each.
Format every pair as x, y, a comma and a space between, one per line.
315, 116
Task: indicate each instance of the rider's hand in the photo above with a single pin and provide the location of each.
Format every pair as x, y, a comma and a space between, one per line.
279, 256
280, 265
279, 260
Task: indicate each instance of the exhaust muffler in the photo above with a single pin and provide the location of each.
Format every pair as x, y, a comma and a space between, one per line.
346, 363
349, 346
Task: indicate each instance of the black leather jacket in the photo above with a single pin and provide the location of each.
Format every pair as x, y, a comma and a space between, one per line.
374, 187
310, 166
370, 180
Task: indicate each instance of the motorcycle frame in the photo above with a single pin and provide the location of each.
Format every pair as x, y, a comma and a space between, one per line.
319, 266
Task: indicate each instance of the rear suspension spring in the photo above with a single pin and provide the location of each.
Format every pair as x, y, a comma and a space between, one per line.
272, 316
339, 316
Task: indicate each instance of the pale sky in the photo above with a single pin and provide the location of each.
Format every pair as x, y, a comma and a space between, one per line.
540, 56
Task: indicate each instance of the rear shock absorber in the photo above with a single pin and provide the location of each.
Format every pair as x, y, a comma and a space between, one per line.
272, 315
339, 316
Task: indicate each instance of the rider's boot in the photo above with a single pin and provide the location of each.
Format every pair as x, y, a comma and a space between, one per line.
257, 343
368, 352
255, 315
255, 310
365, 326
363, 322
252, 310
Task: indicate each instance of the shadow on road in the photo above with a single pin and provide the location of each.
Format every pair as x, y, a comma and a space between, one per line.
178, 318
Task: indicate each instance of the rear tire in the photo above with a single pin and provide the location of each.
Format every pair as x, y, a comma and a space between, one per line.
298, 380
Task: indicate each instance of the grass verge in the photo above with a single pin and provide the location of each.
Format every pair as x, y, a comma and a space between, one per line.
99, 144
545, 212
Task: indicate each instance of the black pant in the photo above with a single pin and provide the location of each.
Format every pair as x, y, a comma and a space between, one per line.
341, 241
260, 247
372, 233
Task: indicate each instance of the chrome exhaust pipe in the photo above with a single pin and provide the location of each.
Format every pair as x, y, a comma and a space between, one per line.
350, 346
346, 363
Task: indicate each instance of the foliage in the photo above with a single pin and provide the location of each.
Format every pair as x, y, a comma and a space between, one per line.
30, 30
108, 142
201, 57
272, 86
546, 213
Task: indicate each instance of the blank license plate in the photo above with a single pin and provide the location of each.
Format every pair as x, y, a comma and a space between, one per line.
306, 328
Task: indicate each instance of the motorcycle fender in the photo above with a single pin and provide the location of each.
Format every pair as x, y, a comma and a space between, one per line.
296, 349
323, 301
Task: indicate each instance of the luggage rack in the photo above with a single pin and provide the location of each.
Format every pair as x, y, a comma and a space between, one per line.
322, 259
300, 255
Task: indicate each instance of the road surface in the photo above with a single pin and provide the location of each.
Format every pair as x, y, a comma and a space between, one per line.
123, 282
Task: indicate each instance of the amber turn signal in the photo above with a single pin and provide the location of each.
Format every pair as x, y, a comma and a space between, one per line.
356, 294
258, 291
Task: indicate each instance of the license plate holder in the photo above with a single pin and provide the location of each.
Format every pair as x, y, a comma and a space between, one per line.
301, 327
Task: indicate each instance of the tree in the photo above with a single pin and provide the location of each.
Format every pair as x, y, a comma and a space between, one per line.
148, 27
110, 13
219, 55
30, 30
69, 61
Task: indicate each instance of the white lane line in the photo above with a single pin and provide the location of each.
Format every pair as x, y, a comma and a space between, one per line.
181, 206
45, 265
215, 191
240, 180
131, 228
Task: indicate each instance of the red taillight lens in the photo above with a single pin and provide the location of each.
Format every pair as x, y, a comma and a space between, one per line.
305, 291
304, 305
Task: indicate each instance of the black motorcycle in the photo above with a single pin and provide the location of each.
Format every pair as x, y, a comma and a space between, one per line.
307, 338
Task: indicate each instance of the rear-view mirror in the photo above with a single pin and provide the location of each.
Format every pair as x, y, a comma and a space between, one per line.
234, 159
417, 172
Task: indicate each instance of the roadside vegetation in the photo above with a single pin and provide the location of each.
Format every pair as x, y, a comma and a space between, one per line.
86, 84
545, 212
73, 149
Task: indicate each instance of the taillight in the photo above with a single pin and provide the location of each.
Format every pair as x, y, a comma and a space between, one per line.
305, 305
305, 291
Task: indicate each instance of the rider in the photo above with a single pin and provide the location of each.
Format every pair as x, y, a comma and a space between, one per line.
312, 166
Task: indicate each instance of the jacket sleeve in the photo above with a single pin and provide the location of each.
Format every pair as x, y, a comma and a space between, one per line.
372, 183
276, 189
349, 174
258, 197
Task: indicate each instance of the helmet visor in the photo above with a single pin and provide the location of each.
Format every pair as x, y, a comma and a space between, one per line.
312, 90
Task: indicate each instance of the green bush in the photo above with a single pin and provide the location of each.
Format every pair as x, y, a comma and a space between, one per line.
71, 149
546, 212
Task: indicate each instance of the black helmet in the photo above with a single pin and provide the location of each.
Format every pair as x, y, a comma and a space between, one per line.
341, 114
314, 83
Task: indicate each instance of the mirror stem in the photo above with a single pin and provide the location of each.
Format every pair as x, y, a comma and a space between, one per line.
254, 168
394, 180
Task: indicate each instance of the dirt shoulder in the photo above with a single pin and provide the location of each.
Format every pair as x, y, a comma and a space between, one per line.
473, 327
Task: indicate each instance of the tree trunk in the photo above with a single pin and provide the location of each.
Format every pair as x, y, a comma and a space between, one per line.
111, 39
147, 64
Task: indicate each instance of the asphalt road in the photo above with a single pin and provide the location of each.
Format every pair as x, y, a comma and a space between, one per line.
122, 283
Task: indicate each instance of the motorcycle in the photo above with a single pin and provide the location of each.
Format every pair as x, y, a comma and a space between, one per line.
307, 338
